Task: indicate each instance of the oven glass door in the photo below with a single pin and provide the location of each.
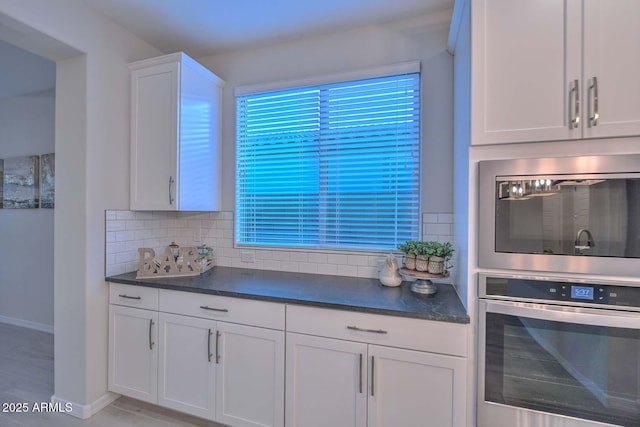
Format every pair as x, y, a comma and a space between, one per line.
575, 362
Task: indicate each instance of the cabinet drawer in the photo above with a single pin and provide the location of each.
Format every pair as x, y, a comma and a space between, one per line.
424, 335
236, 310
133, 296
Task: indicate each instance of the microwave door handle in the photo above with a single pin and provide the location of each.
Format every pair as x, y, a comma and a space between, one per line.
565, 314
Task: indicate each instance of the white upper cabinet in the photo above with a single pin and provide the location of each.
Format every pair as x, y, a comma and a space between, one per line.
520, 80
531, 81
611, 68
175, 135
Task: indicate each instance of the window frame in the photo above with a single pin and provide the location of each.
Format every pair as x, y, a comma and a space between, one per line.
383, 71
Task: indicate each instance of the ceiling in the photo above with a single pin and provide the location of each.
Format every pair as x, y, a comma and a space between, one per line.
207, 27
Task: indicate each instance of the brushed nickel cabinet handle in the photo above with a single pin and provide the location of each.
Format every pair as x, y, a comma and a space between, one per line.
593, 118
209, 345
577, 85
217, 347
360, 375
128, 297
373, 331
574, 107
372, 376
151, 343
206, 307
171, 199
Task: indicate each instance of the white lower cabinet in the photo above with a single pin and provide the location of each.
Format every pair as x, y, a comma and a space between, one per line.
250, 376
355, 375
326, 382
229, 373
187, 374
190, 355
223, 359
232, 374
415, 389
133, 352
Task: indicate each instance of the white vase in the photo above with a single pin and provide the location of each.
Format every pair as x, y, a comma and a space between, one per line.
389, 275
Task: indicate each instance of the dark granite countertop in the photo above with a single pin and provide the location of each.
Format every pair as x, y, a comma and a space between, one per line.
346, 293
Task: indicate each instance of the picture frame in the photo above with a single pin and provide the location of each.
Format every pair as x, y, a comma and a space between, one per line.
47, 180
20, 182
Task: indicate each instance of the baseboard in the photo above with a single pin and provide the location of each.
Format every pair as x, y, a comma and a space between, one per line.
86, 411
27, 324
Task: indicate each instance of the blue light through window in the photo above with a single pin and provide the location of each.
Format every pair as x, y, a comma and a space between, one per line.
330, 166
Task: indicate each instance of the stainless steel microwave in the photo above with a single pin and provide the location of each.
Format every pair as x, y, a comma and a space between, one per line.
564, 214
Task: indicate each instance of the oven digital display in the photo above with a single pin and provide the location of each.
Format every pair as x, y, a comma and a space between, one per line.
582, 292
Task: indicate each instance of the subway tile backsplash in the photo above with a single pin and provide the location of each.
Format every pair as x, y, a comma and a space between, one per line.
126, 231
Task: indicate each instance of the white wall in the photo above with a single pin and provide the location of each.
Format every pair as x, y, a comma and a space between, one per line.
26, 256
421, 38
462, 136
92, 174
23, 72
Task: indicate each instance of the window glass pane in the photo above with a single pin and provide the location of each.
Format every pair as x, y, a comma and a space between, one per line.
331, 166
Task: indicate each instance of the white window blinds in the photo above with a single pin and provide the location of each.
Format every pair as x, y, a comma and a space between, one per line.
330, 166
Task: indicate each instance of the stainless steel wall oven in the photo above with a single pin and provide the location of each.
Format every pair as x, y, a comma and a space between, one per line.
565, 214
558, 353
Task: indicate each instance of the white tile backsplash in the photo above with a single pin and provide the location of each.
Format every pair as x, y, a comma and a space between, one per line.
437, 229
445, 218
437, 226
126, 231
318, 258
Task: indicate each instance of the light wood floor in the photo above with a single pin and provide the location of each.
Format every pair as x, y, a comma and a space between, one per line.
26, 375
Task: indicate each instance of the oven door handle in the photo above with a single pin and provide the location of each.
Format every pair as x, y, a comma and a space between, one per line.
566, 314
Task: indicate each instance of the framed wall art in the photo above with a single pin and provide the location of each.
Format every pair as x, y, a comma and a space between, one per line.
1, 181
20, 182
47, 180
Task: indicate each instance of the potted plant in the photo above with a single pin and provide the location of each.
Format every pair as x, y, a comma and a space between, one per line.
441, 253
410, 249
423, 252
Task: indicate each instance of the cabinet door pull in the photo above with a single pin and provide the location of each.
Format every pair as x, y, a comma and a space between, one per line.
128, 297
574, 110
151, 343
206, 307
593, 118
209, 346
372, 376
217, 347
373, 331
360, 375
171, 181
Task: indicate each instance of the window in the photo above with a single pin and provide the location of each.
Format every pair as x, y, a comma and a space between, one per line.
332, 166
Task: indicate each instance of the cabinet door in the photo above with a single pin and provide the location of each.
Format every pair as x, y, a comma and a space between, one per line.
187, 365
415, 389
250, 376
612, 60
326, 382
526, 56
154, 137
133, 352
199, 148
